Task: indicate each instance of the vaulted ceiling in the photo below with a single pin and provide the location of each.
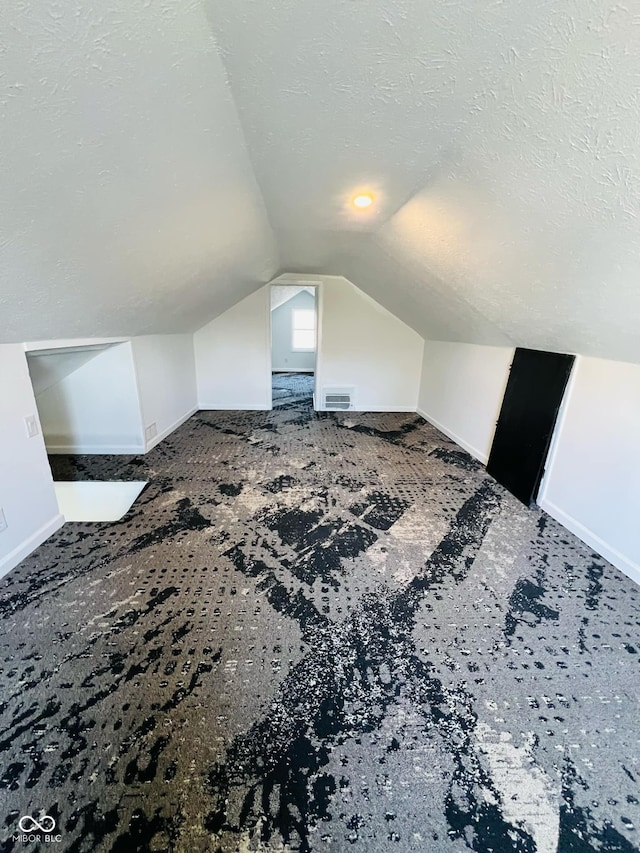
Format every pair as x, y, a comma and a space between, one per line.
163, 159
128, 199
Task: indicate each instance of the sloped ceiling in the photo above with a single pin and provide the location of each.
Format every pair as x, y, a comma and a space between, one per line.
48, 367
129, 203
283, 293
153, 147
501, 141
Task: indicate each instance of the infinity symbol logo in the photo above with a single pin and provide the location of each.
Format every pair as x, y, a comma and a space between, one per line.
45, 824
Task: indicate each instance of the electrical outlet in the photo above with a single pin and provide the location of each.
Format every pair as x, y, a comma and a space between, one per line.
3, 520
151, 431
31, 423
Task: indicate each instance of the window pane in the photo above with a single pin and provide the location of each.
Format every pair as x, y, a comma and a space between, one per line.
304, 319
303, 339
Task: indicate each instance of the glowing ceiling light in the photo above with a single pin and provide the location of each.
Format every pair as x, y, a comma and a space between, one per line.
363, 200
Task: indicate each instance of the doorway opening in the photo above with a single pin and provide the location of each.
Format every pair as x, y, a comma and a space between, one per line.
83, 405
294, 337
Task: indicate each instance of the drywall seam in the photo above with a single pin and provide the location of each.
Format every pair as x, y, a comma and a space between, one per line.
482, 457
11, 560
626, 566
149, 445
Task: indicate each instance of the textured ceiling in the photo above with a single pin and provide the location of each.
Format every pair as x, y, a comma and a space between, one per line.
501, 140
144, 168
129, 203
283, 293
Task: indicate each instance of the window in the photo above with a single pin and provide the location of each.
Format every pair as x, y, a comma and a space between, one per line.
304, 330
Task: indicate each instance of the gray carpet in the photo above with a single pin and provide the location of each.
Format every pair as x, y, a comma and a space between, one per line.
318, 632
291, 388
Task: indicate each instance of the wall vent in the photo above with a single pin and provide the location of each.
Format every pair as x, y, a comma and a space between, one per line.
338, 399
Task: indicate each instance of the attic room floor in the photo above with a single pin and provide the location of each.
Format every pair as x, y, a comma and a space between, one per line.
318, 632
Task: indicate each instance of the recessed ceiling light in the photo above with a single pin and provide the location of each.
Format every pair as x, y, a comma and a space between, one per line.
363, 200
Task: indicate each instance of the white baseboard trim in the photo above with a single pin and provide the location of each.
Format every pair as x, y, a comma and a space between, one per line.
620, 561
165, 432
95, 449
411, 409
366, 409
482, 457
234, 407
615, 557
34, 541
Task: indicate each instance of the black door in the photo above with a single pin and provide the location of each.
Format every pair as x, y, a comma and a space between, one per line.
528, 415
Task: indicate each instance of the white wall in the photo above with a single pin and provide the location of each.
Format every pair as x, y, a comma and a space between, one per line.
359, 344
592, 481
461, 391
283, 357
362, 345
48, 367
233, 358
96, 408
166, 374
27, 497
592, 485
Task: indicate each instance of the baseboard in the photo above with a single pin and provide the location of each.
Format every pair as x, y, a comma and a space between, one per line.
95, 449
626, 566
165, 432
482, 457
18, 554
619, 560
291, 370
402, 409
234, 407
376, 409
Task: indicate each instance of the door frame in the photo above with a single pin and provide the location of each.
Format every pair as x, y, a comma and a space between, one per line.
317, 290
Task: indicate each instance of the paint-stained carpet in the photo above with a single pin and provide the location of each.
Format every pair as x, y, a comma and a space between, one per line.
318, 633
